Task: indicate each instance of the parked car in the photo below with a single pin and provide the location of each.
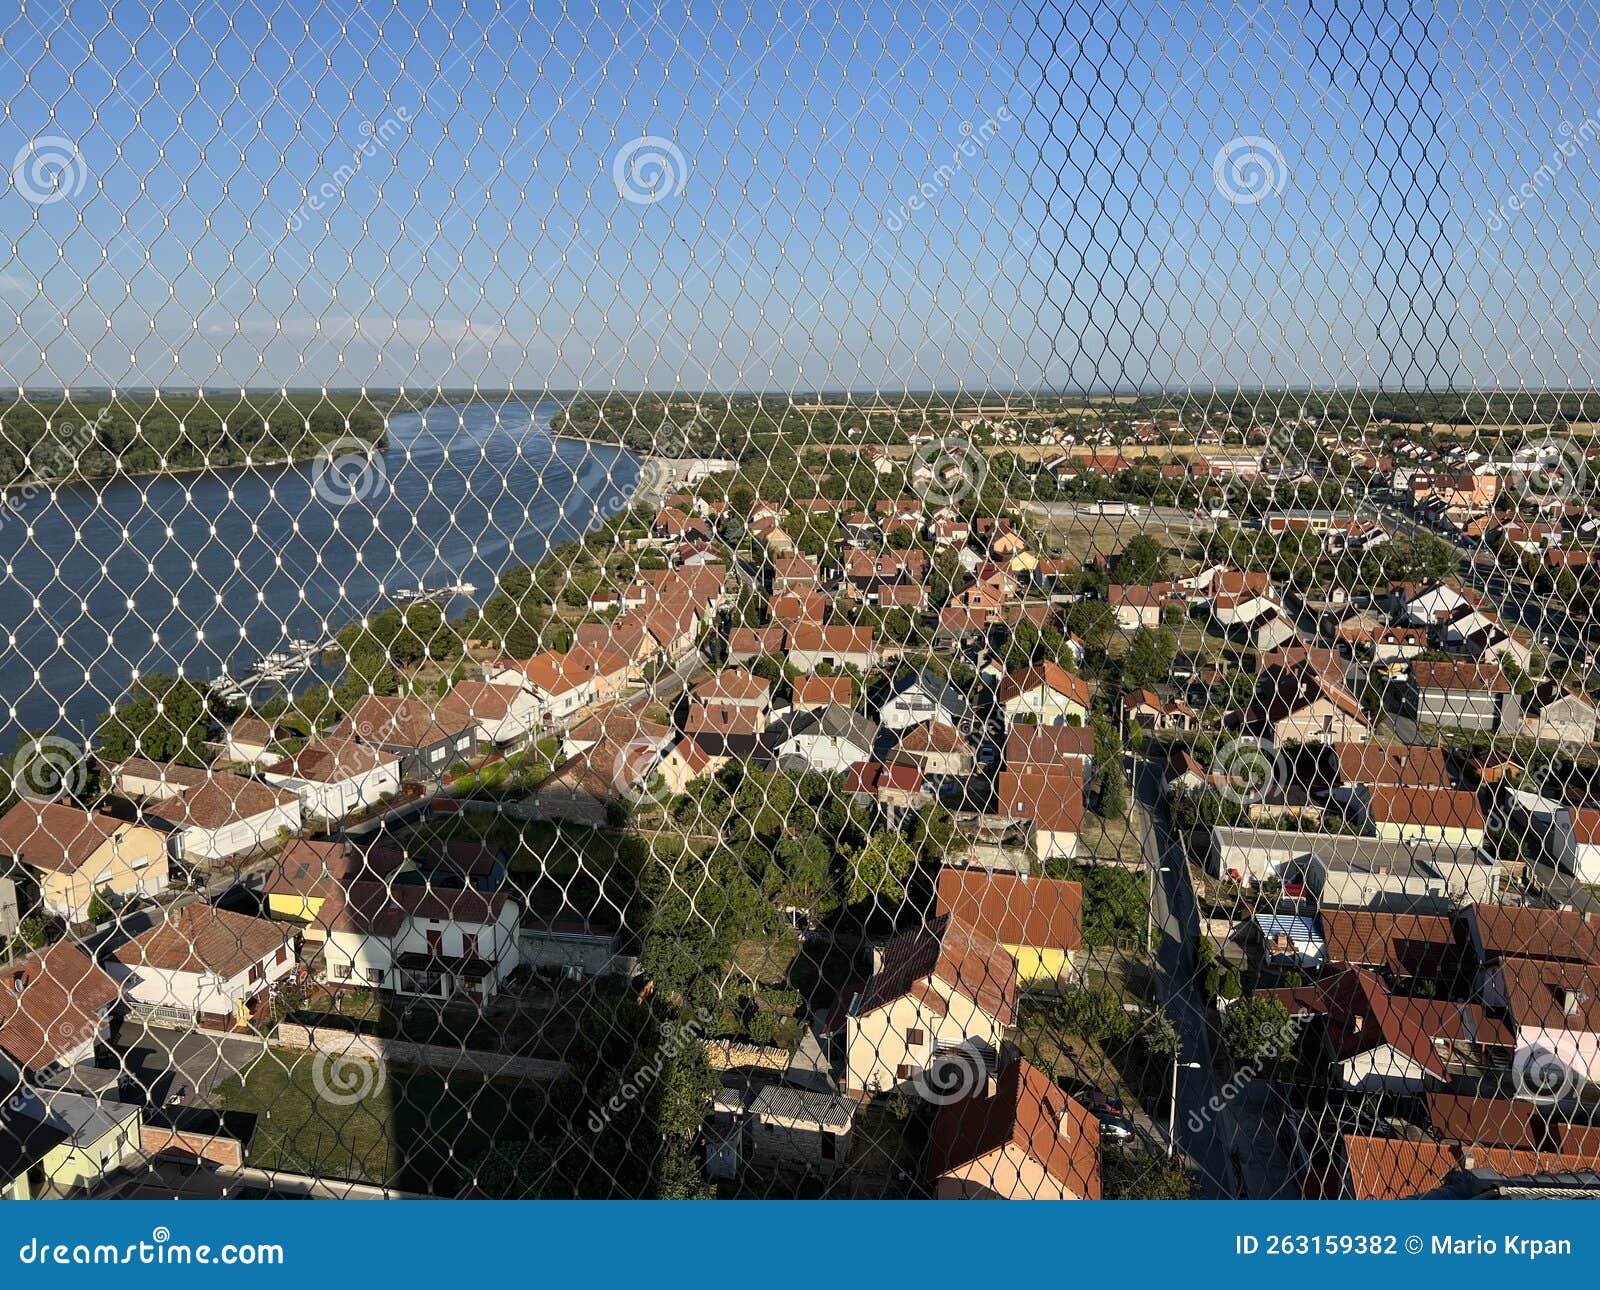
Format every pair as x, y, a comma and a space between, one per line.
1114, 1128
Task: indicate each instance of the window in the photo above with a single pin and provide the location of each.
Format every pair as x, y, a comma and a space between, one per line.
903, 1071
341, 972
374, 976
258, 972
915, 1037
283, 954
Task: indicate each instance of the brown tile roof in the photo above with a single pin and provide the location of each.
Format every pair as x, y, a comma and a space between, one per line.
202, 938
174, 776
1414, 765
1029, 1112
966, 961
756, 640
824, 689
56, 836
1047, 745
1048, 675
221, 799
404, 721
723, 719
310, 868
1486, 1121
837, 639
1407, 944
1429, 674
482, 700
376, 908
618, 724
331, 760
936, 737
1400, 1168
1050, 796
1440, 808
733, 685
1041, 913
1529, 932
1552, 995
62, 991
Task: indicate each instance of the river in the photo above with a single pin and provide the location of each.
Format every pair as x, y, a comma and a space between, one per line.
101, 582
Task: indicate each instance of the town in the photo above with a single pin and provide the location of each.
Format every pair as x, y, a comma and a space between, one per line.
1111, 801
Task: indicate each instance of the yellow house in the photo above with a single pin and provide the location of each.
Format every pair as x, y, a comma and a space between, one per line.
1427, 815
73, 855
305, 874
72, 1142
1038, 921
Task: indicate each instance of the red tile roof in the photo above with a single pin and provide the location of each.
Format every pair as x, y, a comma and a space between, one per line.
1039, 913
1029, 1112
50, 1004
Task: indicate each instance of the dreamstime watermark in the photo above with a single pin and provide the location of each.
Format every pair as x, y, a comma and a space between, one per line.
1279, 1039
953, 1075
1572, 140
160, 1250
676, 1038
635, 773
1249, 169
47, 768
1541, 1075
1248, 770
349, 469
376, 135
974, 139
946, 471
1555, 471
56, 456
343, 1079
49, 169
649, 169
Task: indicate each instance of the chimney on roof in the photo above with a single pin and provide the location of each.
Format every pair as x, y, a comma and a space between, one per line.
19, 982
1064, 1125
1572, 1000
1356, 1022
1469, 1158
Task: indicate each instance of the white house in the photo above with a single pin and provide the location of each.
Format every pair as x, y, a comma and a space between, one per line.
205, 966
226, 815
921, 696
1045, 694
506, 715
335, 778
413, 939
830, 740
933, 989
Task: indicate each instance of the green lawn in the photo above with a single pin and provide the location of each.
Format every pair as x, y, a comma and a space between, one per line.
416, 1131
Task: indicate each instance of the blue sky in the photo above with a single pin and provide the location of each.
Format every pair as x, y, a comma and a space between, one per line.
873, 197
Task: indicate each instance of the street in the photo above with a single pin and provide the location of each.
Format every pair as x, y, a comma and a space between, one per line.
1177, 918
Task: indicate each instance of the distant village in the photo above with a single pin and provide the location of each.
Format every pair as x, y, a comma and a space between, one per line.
1006, 810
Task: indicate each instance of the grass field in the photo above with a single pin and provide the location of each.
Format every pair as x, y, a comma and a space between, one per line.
415, 1131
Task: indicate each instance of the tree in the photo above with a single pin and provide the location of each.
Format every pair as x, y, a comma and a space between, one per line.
1142, 560
1256, 1030
1142, 1175
164, 718
880, 868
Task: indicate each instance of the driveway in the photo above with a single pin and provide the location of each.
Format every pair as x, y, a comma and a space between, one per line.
187, 1063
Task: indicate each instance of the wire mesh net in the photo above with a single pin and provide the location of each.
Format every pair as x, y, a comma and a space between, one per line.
911, 602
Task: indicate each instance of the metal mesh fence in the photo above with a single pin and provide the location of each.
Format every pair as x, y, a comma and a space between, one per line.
897, 602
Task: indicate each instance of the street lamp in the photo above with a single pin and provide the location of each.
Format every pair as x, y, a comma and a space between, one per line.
1172, 1113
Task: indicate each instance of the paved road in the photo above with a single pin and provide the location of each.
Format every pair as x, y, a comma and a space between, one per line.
1177, 916
1175, 517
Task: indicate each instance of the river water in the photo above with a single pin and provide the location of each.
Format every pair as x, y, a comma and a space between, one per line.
102, 582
